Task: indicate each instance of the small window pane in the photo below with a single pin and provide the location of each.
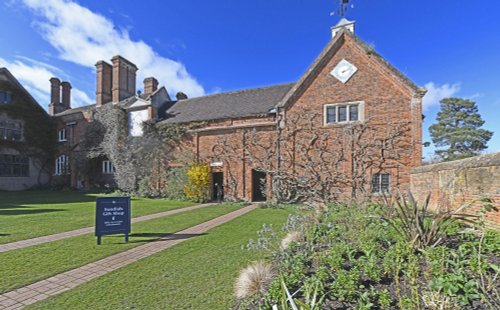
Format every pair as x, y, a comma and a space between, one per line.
331, 116
385, 183
376, 183
342, 113
353, 113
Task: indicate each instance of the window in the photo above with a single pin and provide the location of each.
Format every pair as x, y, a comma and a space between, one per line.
381, 183
71, 127
62, 135
10, 131
62, 165
341, 113
5, 97
107, 167
14, 166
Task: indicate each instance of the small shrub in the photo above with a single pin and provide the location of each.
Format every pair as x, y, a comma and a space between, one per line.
418, 225
254, 280
198, 182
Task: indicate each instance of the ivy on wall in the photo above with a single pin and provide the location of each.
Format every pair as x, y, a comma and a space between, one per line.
39, 130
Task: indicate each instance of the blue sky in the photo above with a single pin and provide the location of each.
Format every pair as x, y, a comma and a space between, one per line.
200, 47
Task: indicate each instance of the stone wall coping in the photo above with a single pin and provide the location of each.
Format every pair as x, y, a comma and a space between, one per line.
487, 160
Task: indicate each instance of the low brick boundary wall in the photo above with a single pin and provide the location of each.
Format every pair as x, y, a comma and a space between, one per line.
452, 184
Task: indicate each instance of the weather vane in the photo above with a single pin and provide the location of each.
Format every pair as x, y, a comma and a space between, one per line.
343, 6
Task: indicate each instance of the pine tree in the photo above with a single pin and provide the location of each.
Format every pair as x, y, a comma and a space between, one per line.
458, 130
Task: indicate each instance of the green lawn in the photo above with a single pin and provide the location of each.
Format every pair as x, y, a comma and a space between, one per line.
25, 266
30, 214
196, 274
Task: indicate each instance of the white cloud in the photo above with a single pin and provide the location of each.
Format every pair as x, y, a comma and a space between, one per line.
437, 92
84, 37
35, 78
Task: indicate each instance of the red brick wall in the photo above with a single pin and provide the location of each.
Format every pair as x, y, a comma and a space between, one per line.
388, 103
453, 184
226, 141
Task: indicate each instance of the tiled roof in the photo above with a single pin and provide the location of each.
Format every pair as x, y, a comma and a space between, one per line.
242, 103
77, 110
125, 103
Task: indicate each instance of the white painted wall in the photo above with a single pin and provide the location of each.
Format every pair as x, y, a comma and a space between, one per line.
135, 120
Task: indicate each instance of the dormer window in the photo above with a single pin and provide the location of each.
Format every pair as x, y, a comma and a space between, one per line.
5, 97
62, 135
339, 113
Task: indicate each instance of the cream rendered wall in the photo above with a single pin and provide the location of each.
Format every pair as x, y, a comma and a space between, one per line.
135, 120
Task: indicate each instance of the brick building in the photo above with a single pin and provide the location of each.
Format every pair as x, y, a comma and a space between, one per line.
115, 84
351, 126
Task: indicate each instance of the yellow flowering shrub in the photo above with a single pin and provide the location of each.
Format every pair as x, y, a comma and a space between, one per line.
198, 182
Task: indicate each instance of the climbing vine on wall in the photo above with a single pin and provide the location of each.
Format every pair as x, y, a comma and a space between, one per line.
38, 128
139, 161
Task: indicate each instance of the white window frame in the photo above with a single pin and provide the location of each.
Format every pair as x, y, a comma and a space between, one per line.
62, 165
61, 134
108, 167
348, 105
379, 190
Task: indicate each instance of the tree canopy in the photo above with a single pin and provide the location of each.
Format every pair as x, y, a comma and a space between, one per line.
458, 130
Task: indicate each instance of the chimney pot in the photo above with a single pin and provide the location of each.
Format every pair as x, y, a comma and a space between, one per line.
181, 96
150, 85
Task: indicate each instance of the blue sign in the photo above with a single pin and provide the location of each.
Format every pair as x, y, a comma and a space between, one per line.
112, 216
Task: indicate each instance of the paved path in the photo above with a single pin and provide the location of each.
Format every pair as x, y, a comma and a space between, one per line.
41, 290
87, 230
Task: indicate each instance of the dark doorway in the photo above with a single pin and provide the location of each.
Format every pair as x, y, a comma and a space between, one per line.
217, 186
258, 185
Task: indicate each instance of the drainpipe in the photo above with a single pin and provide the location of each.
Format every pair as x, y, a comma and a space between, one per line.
279, 118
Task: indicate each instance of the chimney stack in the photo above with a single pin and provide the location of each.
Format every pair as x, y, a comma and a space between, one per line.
123, 77
66, 95
55, 91
103, 83
181, 96
150, 85
56, 106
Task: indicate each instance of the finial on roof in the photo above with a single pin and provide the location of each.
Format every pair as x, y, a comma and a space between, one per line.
343, 23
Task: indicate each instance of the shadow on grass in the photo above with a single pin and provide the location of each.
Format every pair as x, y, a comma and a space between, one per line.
4, 235
16, 199
30, 211
11, 200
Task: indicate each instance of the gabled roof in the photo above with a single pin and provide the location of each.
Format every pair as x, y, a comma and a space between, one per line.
14, 81
242, 103
328, 52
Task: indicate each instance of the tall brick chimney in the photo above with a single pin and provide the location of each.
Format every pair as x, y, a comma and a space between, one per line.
150, 85
55, 91
123, 78
66, 95
104, 80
